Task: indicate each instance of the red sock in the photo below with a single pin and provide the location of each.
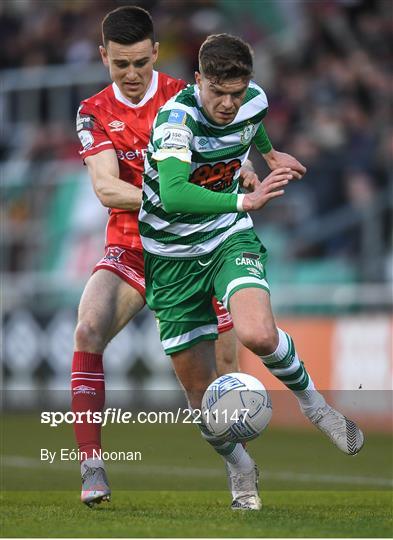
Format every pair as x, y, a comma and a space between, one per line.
88, 393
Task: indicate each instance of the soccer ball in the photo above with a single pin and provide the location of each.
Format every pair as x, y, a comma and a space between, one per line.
236, 407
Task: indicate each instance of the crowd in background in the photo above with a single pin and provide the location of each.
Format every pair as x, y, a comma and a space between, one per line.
325, 66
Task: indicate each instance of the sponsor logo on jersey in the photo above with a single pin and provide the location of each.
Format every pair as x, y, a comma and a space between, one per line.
84, 121
177, 116
129, 155
86, 139
175, 138
114, 254
250, 259
247, 134
116, 125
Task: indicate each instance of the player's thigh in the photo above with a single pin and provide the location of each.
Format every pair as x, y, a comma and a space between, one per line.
242, 286
108, 303
196, 369
180, 292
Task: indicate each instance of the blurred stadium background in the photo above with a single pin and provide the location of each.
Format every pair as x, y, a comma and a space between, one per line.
326, 68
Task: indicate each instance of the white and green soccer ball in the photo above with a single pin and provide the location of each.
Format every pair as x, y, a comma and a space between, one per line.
236, 407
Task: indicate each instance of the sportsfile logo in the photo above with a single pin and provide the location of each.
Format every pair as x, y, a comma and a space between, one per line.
117, 416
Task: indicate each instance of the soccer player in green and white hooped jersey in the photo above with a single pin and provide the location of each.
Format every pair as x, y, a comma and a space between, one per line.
198, 241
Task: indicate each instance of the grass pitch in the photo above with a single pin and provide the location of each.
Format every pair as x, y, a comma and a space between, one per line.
199, 514
178, 489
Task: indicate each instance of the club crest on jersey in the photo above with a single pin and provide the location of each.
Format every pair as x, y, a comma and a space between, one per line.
114, 254
177, 116
247, 134
116, 125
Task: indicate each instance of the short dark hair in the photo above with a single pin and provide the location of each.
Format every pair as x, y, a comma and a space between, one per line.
127, 25
223, 56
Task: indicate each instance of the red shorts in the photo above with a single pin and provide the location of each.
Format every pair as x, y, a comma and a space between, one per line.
128, 265
224, 318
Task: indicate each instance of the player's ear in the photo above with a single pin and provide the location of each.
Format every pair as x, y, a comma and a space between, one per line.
156, 47
104, 56
198, 79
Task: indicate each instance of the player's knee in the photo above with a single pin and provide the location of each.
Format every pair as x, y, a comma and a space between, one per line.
264, 341
88, 338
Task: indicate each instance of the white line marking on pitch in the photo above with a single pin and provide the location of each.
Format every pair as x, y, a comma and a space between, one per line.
33, 463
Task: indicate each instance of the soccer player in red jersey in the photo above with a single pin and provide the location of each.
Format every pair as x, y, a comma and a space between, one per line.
114, 129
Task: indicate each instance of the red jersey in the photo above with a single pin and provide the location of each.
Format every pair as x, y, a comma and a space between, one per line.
109, 120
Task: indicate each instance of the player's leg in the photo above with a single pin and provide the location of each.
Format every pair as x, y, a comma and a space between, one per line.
196, 369
226, 353
180, 293
107, 304
256, 329
225, 346
241, 284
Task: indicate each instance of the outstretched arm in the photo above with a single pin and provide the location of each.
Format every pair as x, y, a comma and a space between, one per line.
273, 158
179, 195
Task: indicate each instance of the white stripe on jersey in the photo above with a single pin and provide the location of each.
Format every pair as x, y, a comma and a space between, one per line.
198, 250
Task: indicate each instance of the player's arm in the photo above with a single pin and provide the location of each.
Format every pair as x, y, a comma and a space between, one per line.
109, 188
273, 158
172, 143
178, 195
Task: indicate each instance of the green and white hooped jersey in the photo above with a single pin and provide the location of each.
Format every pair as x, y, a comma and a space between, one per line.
215, 153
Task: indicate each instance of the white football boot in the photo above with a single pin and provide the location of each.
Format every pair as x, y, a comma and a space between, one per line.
244, 489
95, 486
344, 433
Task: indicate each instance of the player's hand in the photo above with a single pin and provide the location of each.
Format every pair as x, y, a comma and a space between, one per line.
277, 160
270, 188
249, 180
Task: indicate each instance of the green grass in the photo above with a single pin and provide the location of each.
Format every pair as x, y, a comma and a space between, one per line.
199, 514
309, 488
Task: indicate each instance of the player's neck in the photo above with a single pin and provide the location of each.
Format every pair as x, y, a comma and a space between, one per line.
138, 102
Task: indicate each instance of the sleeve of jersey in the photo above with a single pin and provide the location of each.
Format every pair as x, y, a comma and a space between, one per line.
179, 195
262, 141
91, 133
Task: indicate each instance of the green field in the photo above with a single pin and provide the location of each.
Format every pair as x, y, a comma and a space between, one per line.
178, 489
199, 514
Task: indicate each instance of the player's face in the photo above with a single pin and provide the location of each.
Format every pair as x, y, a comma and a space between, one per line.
221, 101
130, 66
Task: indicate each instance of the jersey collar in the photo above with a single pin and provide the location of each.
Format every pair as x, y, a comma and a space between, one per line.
149, 93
